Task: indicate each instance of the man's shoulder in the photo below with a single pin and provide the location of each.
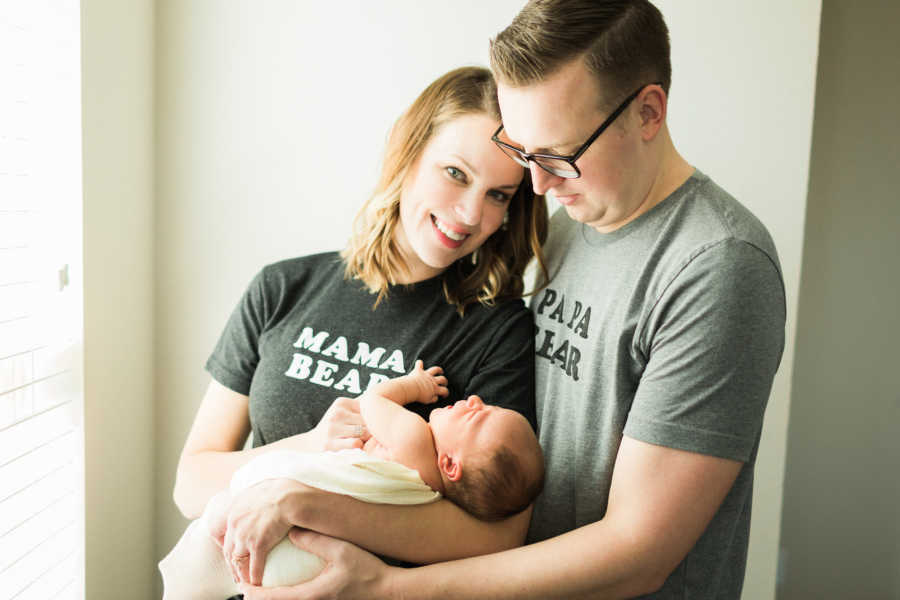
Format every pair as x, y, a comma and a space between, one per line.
700, 217
724, 215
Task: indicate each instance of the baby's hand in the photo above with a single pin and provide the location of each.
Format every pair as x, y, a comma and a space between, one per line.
431, 382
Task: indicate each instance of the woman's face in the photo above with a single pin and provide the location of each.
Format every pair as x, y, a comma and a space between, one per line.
455, 196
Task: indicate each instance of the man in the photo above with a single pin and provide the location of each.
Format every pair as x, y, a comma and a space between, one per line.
657, 339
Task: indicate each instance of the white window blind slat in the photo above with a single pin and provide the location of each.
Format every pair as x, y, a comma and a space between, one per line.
16, 266
29, 542
36, 496
58, 583
18, 336
53, 542
15, 372
18, 439
37, 464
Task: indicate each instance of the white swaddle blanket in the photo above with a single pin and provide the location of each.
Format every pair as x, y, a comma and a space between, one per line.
195, 568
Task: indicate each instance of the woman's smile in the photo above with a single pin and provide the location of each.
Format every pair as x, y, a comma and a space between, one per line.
447, 234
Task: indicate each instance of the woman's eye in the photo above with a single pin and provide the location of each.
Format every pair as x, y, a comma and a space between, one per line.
498, 196
455, 173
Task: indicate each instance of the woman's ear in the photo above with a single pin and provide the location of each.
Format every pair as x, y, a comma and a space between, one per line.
450, 467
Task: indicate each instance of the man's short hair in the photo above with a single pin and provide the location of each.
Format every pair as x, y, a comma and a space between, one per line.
624, 43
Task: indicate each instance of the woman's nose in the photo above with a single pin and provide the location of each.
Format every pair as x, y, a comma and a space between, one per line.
469, 208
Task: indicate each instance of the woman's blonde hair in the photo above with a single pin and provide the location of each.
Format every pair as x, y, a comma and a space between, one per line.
372, 254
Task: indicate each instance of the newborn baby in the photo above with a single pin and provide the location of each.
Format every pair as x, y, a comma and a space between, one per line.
484, 458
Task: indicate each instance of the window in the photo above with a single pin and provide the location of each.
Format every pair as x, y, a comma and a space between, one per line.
41, 447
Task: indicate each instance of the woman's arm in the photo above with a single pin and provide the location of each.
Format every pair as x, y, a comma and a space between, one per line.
211, 453
213, 450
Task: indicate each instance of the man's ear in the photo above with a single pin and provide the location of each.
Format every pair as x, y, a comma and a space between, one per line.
653, 103
450, 467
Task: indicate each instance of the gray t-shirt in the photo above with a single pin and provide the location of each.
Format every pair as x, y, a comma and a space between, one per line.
668, 330
303, 334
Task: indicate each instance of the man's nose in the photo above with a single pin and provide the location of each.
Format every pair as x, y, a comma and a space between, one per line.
542, 180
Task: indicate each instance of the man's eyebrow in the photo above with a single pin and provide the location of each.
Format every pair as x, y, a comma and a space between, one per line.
556, 149
552, 149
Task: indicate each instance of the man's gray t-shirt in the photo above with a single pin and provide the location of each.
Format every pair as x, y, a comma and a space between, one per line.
668, 330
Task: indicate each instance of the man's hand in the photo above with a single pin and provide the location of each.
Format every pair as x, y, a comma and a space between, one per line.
350, 572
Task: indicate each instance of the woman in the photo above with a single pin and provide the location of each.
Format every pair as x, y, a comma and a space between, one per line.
433, 271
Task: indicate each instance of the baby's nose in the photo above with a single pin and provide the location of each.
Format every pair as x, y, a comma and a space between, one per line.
474, 402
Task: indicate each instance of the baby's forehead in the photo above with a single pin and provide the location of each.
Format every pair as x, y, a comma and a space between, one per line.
511, 420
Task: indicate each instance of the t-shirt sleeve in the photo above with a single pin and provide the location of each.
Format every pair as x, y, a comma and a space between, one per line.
712, 342
505, 375
236, 355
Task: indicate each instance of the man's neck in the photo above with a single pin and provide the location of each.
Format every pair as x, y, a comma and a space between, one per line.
670, 174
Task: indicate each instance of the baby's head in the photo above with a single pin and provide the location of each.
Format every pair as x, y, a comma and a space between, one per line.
490, 461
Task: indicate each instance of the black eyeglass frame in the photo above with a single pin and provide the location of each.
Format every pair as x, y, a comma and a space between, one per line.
527, 157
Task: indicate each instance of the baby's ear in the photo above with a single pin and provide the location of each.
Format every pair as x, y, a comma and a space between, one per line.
450, 467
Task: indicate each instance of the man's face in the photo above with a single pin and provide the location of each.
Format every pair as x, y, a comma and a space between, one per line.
557, 116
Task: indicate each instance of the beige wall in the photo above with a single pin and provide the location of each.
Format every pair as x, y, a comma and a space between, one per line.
841, 521
117, 111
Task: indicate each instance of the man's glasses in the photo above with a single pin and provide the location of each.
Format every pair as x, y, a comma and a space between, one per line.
555, 164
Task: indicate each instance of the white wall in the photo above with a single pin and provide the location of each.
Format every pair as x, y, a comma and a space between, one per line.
117, 113
258, 105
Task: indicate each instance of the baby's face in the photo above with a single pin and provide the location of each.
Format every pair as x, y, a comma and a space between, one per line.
471, 425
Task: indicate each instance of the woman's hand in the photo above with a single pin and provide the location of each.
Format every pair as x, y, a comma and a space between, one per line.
350, 572
341, 427
216, 516
256, 522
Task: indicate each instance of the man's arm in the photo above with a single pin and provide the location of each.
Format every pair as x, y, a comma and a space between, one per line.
422, 533
661, 501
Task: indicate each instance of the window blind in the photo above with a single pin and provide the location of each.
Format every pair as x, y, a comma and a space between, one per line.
41, 464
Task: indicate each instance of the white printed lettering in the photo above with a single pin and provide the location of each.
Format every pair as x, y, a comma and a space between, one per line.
311, 342
350, 383
299, 368
394, 363
364, 357
338, 349
323, 373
